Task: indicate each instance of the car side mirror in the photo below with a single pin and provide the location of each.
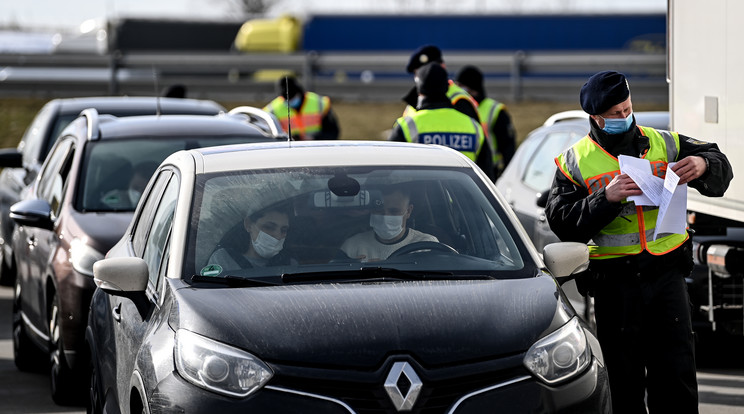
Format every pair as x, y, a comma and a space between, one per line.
32, 213
566, 259
542, 199
10, 158
126, 277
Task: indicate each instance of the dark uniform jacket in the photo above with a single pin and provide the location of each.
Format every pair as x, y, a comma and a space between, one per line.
576, 215
484, 160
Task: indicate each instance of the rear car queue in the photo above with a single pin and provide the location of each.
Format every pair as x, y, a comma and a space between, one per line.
79, 204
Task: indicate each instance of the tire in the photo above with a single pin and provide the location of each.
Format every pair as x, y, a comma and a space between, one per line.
7, 273
65, 384
26, 355
95, 393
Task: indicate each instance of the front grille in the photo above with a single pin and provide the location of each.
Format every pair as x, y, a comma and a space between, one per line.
364, 391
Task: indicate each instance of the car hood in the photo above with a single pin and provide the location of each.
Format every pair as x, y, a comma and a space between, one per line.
102, 230
358, 325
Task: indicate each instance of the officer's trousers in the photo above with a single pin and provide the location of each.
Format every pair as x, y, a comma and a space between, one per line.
645, 330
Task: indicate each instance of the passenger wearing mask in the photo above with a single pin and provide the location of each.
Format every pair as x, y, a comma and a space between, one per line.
389, 230
436, 121
260, 245
307, 113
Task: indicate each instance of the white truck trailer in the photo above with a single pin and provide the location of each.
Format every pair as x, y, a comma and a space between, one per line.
706, 101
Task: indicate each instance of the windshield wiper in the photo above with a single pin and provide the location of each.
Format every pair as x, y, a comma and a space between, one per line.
365, 273
233, 281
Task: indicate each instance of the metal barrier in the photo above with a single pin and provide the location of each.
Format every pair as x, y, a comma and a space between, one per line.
376, 76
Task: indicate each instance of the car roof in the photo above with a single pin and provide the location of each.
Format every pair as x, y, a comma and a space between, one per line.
111, 127
290, 154
654, 119
125, 104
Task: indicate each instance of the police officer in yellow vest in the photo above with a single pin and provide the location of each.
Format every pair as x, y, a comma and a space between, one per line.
436, 122
638, 283
461, 99
309, 114
494, 116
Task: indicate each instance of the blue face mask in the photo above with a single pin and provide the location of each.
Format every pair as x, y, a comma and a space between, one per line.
295, 102
617, 125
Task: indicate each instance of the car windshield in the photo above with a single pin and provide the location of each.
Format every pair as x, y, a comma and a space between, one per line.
330, 223
541, 168
115, 172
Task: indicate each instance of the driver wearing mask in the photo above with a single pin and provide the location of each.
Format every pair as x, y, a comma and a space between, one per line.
389, 228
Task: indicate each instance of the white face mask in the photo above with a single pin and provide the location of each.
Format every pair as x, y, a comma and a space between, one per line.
266, 246
386, 227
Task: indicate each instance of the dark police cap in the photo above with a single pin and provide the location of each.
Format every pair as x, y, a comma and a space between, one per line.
471, 77
603, 91
423, 55
432, 80
288, 86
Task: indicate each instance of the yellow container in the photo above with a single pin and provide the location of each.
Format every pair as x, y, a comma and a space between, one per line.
269, 35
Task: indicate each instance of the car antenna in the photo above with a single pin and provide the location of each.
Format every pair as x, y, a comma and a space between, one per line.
157, 93
289, 117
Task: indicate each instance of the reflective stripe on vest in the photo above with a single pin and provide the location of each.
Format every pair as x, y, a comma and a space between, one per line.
489, 111
445, 126
588, 165
310, 118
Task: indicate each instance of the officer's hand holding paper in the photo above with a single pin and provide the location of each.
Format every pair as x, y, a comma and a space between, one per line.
665, 193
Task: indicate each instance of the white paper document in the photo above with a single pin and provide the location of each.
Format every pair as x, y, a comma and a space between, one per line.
665, 193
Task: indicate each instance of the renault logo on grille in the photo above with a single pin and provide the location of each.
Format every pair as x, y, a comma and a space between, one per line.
403, 386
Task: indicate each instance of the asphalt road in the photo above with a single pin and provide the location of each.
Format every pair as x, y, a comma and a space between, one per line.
720, 380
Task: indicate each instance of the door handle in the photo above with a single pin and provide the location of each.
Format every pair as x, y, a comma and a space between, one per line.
117, 312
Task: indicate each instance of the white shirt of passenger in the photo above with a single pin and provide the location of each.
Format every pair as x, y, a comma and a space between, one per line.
368, 248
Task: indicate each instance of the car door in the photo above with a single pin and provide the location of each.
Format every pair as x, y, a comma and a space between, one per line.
149, 240
37, 245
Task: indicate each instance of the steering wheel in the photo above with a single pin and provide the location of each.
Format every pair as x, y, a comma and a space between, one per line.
423, 245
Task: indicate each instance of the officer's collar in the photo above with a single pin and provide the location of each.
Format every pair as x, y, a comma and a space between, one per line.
426, 102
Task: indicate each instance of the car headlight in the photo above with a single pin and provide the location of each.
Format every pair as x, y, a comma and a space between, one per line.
559, 355
218, 367
83, 256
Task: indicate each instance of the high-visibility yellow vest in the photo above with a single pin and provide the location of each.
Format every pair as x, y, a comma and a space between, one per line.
444, 126
307, 121
588, 165
489, 111
455, 93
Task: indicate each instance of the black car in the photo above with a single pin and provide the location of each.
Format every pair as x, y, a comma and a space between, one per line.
239, 287
21, 165
77, 208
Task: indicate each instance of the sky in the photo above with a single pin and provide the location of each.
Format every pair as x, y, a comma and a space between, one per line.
68, 15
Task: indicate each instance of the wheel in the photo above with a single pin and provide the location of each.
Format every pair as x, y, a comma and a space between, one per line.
95, 394
7, 273
65, 383
26, 355
421, 246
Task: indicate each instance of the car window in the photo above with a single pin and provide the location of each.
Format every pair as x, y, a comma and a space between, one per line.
59, 125
33, 139
160, 230
144, 220
54, 178
320, 219
541, 166
116, 170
